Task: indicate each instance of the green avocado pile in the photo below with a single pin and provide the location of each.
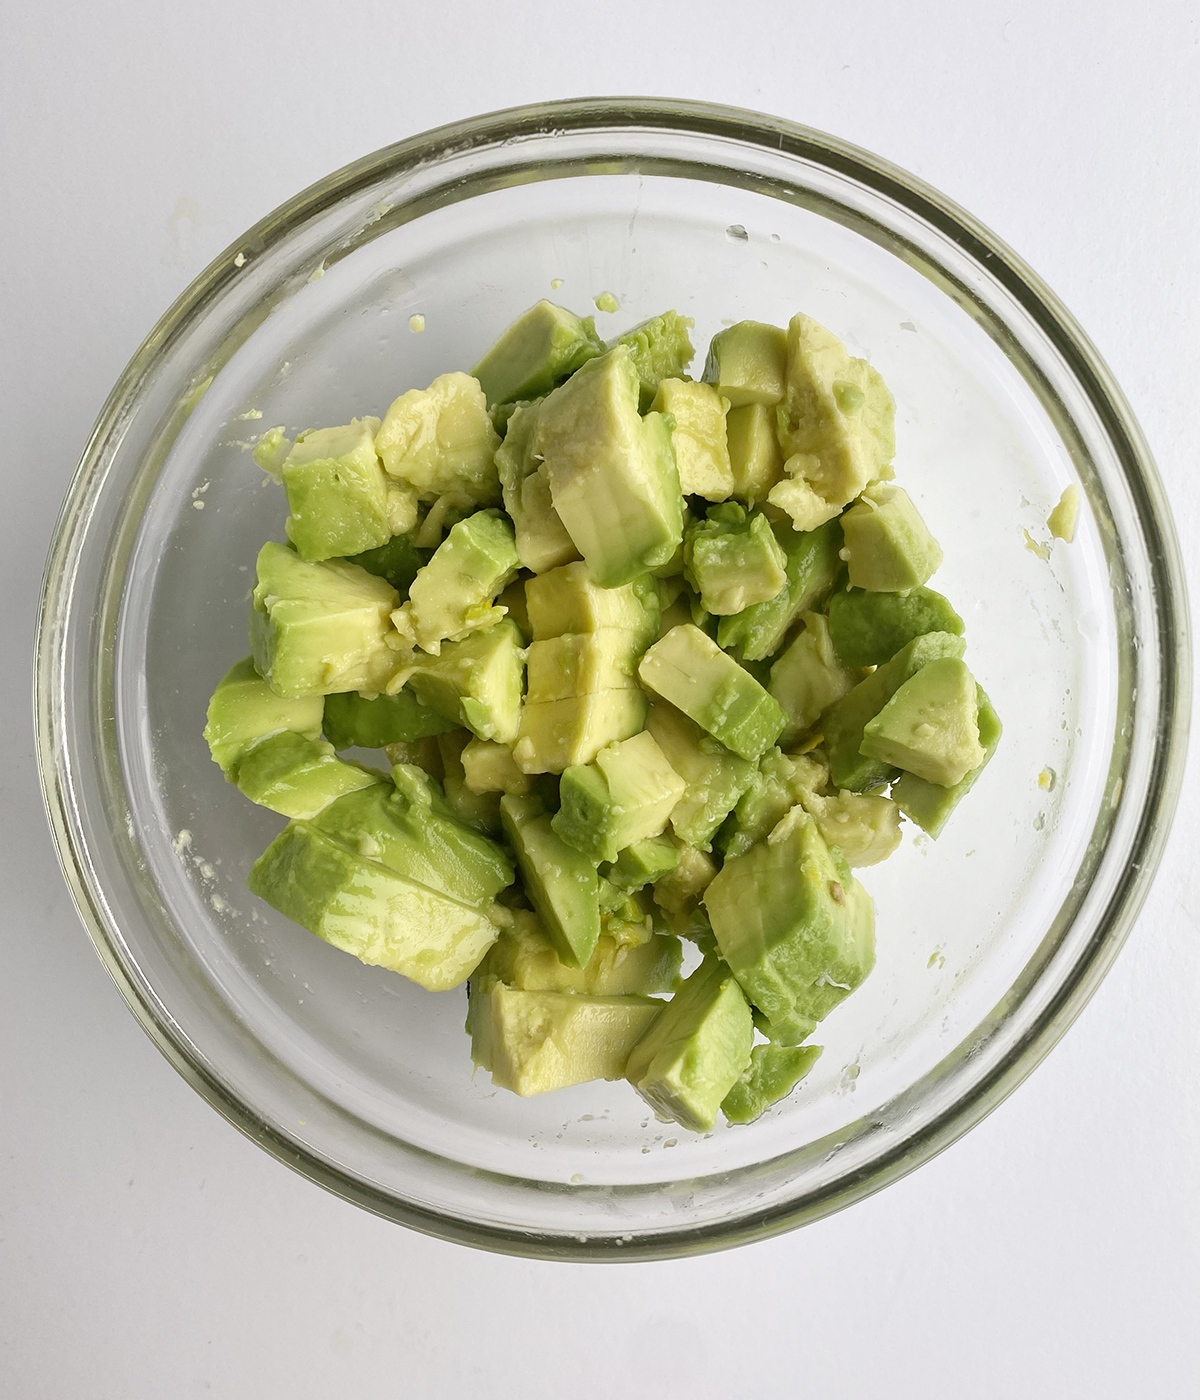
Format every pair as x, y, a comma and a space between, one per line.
651, 659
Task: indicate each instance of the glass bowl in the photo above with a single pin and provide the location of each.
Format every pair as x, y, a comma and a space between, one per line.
989, 940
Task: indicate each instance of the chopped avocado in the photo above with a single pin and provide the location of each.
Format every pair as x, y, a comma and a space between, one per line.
270, 453
397, 561
624, 795
490, 767
626, 916
298, 777
792, 922
929, 804
424, 754
781, 782
808, 677
866, 829
687, 668
480, 810
772, 1074
513, 598
524, 957
888, 546
846, 719
541, 538
562, 885
748, 364
930, 726
365, 909
612, 473
733, 559
643, 862
581, 663
452, 595
555, 734
714, 776
337, 492
353, 721
661, 350
540, 349
320, 627
244, 710
539, 1041
695, 1052
754, 455
679, 891
1063, 519
568, 599
441, 442
812, 566
868, 629
698, 437
476, 682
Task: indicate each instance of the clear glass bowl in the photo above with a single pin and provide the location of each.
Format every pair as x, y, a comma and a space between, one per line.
989, 941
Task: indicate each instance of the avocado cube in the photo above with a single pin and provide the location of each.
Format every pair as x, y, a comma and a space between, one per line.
687, 668
865, 828
695, 1052
698, 437
480, 810
555, 734
541, 538
490, 767
612, 473
778, 785
930, 804
542, 347
754, 455
337, 492
624, 795
715, 778
244, 710
365, 909
888, 546
524, 957
930, 726
772, 1074
397, 561
808, 677
661, 349
562, 884
440, 441
748, 364
476, 682
733, 560
643, 862
679, 891
868, 629
353, 721
581, 663
317, 627
298, 777
568, 599
792, 922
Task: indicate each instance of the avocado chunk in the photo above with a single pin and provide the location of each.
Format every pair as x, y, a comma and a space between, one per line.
624, 795
864, 827
780, 783
353, 721
476, 682
555, 734
490, 767
440, 441
581, 663
524, 957
1063, 519
569, 599
888, 546
930, 726
772, 1074
612, 473
363, 908
398, 561
808, 677
542, 541
793, 923
679, 891
298, 777
748, 364
452, 595
846, 719
661, 349
480, 810
715, 778
868, 629
698, 437
337, 492
244, 710
562, 884
930, 804
695, 1052
533, 1042
812, 566
322, 626
687, 668
643, 862
754, 455
733, 560
541, 348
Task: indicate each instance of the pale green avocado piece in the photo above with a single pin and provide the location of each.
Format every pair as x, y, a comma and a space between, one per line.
490, 767
244, 710
788, 1030
754, 454
748, 364
888, 545
398, 561
772, 1074
337, 492
679, 891
1063, 519
541, 538
808, 677
542, 347
568, 599
781, 782
687, 668
864, 827
661, 349
930, 726
733, 559
846, 719
624, 795
812, 566
440, 441
698, 437
513, 598
643, 862
298, 777
476, 682
524, 957
695, 1052
612, 473
480, 810
538, 1041
929, 804
318, 627
792, 922
868, 629
555, 734
582, 663
562, 885
452, 596
715, 778
370, 911
354, 721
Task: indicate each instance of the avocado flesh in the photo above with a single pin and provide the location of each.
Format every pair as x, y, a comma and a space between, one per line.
733, 560
479, 810
888, 545
808, 677
555, 734
562, 884
661, 349
476, 682
244, 710
298, 777
490, 767
581, 663
868, 629
930, 804
714, 777
530, 357
754, 456
643, 862
624, 795
524, 957
337, 492
542, 541
353, 721
698, 437
398, 561
930, 726
440, 442
772, 1074
569, 600
747, 363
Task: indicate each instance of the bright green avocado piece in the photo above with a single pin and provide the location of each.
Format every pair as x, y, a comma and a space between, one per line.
643, 862
695, 1052
930, 804
298, 777
808, 677
698, 437
868, 629
772, 1074
353, 721
748, 364
337, 492
541, 538
888, 545
661, 349
476, 682
398, 561
754, 455
244, 710
562, 884
524, 957
569, 600
715, 778
540, 349
930, 726
733, 560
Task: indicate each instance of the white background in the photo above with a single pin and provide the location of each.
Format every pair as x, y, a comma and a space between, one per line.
146, 1249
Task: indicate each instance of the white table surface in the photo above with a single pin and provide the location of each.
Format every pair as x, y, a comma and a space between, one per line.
148, 1250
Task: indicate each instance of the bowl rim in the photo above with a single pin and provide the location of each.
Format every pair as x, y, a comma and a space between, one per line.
1119, 426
